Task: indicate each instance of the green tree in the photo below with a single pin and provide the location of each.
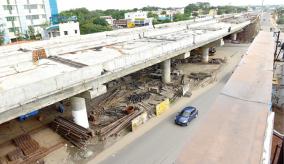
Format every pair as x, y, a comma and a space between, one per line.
204, 6
2, 37
163, 12
100, 21
150, 8
90, 21
31, 32
181, 17
152, 15
230, 9
190, 8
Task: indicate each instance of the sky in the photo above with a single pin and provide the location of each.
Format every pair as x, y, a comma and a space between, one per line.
129, 4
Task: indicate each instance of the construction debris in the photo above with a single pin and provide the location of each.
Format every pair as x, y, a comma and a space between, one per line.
115, 127
29, 151
217, 61
199, 76
74, 133
26, 144
15, 154
138, 97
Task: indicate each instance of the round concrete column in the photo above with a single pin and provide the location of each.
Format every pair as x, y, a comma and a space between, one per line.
79, 111
234, 36
205, 54
166, 69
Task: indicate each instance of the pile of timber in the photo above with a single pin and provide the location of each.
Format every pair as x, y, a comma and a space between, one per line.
115, 127
74, 133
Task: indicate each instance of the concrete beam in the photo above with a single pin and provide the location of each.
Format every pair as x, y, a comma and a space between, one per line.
166, 69
183, 56
94, 92
216, 43
51, 98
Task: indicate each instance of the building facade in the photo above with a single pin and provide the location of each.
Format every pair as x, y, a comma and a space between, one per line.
136, 15
139, 18
67, 29
18, 15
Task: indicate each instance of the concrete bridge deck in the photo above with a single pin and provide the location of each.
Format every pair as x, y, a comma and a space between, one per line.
25, 86
239, 125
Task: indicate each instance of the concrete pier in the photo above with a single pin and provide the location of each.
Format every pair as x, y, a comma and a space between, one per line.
234, 36
79, 111
205, 54
166, 69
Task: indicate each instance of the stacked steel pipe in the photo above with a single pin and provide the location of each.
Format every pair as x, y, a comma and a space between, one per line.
115, 127
74, 133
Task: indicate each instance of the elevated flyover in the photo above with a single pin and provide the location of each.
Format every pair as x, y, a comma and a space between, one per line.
238, 127
82, 65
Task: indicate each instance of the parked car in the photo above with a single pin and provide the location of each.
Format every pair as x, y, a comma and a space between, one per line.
186, 115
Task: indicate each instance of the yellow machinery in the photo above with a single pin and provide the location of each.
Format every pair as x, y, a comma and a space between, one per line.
130, 25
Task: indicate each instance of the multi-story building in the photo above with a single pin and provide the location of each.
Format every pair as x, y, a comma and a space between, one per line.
67, 29
136, 15
139, 18
20, 14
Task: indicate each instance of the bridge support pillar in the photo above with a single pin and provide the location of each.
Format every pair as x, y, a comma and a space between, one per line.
166, 69
205, 54
79, 111
234, 36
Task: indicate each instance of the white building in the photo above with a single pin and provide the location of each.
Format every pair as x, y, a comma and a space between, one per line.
20, 14
62, 30
139, 18
136, 15
109, 19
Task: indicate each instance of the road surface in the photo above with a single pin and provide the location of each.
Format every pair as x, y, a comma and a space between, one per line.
163, 143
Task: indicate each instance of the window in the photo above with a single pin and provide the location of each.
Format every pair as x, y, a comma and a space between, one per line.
42, 6
185, 114
43, 16
11, 29
8, 7
32, 16
29, 17
16, 29
192, 112
30, 6
35, 16
76, 31
9, 19
65, 32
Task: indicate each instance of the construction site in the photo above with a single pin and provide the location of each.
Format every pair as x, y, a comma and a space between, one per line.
69, 100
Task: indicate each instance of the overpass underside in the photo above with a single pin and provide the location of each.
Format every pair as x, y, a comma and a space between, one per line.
81, 65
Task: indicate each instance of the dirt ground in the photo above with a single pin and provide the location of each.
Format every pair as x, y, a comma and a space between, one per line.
39, 130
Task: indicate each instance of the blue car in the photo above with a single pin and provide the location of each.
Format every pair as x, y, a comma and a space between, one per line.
186, 115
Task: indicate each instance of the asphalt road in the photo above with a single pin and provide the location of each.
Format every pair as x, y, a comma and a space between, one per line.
163, 143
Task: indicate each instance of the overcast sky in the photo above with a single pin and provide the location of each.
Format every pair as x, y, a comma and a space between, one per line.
129, 4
